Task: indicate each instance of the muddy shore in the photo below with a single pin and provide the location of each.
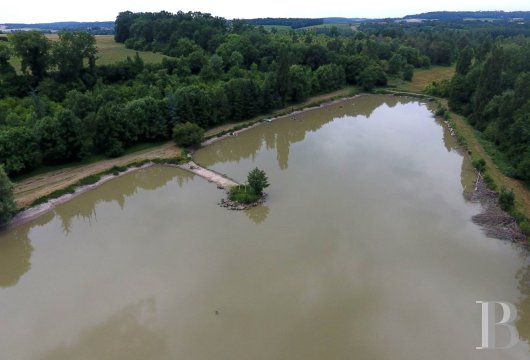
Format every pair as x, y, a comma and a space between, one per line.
495, 222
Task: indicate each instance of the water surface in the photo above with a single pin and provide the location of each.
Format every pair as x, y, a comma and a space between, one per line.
364, 250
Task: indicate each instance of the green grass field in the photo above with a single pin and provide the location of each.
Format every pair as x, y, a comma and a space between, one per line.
424, 77
341, 27
279, 28
284, 28
109, 52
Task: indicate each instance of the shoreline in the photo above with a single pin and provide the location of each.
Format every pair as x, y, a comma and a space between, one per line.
36, 211
214, 138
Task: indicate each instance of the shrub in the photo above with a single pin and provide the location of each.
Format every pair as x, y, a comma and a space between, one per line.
488, 180
408, 72
525, 227
187, 134
243, 194
506, 199
441, 111
479, 164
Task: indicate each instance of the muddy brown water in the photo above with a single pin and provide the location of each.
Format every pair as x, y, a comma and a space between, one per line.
364, 250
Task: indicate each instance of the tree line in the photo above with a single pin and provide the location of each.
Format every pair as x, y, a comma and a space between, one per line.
491, 88
63, 107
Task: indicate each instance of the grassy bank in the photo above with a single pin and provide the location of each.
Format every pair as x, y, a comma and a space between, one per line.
498, 169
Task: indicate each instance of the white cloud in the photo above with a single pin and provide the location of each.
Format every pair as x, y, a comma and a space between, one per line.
32, 11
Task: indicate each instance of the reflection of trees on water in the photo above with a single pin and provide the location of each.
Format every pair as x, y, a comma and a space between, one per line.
281, 134
523, 306
128, 334
15, 252
150, 179
258, 214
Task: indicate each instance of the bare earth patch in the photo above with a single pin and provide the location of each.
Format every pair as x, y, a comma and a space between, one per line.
29, 190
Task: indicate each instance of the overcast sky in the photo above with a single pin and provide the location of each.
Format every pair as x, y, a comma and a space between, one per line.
38, 11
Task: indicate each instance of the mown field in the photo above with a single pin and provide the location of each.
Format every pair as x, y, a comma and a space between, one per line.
424, 77
284, 28
109, 52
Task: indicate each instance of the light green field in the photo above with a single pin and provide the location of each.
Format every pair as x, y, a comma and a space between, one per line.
340, 27
424, 77
109, 52
280, 28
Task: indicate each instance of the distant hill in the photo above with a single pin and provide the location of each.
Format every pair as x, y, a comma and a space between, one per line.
461, 15
294, 23
342, 20
94, 27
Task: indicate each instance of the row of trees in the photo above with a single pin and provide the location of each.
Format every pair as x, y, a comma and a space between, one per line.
492, 88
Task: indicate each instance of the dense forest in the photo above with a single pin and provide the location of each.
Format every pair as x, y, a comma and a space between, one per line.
61, 107
491, 88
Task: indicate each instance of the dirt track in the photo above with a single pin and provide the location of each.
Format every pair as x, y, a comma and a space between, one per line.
29, 190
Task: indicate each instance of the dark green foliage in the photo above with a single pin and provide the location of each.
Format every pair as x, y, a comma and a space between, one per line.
408, 72
243, 194
19, 150
59, 138
187, 134
479, 164
69, 53
371, 76
7, 204
299, 82
506, 199
328, 77
33, 49
493, 91
490, 183
257, 180
464, 61
395, 64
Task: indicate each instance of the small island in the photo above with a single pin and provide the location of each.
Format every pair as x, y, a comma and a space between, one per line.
245, 196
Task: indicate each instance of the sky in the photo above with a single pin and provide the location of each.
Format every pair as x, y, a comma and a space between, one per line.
42, 11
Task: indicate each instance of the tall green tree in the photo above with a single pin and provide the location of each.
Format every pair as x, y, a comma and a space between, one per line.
488, 85
8, 75
70, 52
187, 134
464, 61
33, 49
257, 180
299, 82
7, 203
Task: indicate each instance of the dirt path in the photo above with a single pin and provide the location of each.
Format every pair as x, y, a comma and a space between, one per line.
29, 190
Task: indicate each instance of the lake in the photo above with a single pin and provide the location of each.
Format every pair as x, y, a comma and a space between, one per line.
364, 249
